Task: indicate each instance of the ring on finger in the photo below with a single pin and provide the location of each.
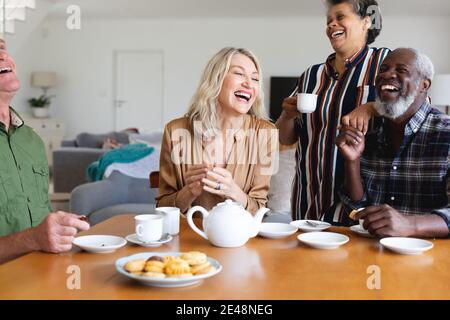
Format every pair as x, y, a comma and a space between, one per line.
218, 187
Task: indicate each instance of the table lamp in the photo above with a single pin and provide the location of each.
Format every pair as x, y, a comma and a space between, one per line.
44, 80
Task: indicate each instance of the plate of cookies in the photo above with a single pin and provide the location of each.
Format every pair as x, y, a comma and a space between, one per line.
168, 269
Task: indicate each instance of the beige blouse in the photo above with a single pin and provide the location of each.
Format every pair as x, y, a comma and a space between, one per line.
252, 161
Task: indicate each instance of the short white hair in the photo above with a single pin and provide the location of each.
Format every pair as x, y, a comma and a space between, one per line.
424, 64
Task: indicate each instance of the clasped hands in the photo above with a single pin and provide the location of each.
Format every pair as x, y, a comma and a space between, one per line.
215, 180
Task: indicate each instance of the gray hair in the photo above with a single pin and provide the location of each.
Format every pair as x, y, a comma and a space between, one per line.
424, 65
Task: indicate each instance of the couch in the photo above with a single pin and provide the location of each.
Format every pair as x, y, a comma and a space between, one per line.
72, 159
117, 194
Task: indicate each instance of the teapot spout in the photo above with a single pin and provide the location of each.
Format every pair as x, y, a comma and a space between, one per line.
258, 220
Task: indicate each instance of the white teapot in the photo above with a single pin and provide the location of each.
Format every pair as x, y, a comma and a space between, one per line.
228, 224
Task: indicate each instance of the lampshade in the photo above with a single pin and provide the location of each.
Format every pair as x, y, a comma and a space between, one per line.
440, 90
43, 79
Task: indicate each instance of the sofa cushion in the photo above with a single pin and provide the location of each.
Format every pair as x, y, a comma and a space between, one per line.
152, 139
89, 140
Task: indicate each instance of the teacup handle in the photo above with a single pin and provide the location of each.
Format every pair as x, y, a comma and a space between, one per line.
189, 215
139, 230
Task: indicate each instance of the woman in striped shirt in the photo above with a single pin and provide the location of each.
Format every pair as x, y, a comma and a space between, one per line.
345, 85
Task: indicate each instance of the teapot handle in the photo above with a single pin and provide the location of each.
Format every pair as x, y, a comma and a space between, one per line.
189, 215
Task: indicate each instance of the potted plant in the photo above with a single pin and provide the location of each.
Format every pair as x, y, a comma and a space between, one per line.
40, 106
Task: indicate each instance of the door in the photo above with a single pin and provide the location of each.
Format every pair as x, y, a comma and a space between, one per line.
139, 90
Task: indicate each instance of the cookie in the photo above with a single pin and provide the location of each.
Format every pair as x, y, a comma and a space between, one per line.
153, 274
135, 265
156, 258
169, 258
177, 267
352, 214
184, 275
205, 270
195, 269
194, 257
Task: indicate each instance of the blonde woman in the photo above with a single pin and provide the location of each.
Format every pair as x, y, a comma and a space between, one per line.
223, 148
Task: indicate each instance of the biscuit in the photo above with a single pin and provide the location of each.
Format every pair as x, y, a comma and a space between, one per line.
352, 214
169, 258
177, 267
158, 264
153, 274
194, 257
184, 275
195, 269
135, 265
205, 270
150, 268
156, 258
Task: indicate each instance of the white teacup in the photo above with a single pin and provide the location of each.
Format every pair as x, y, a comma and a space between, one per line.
361, 222
306, 102
171, 219
149, 227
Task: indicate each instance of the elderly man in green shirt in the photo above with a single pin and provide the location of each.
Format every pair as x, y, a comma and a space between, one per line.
26, 221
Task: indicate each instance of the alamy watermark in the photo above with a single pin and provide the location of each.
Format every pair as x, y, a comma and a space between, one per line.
255, 147
374, 280
73, 21
73, 281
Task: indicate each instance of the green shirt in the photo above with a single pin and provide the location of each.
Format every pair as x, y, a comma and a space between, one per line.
24, 178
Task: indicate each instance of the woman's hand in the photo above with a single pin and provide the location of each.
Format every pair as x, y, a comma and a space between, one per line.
224, 185
350, 143
360, 117
193, 180
290, 108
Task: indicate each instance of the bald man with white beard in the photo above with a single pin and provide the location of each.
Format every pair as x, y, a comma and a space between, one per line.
399, 172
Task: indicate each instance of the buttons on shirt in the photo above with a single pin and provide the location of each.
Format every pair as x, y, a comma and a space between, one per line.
392, 198
415, 130
28, 199
394, 167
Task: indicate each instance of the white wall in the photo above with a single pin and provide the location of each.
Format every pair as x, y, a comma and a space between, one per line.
84, 59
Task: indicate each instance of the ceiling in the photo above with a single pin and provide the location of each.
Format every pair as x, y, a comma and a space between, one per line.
129, 9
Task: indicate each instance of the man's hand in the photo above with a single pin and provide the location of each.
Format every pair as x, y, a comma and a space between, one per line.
384, 221
350, 142
360, 117
56, 233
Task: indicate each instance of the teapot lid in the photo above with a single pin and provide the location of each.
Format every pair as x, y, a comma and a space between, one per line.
228, 202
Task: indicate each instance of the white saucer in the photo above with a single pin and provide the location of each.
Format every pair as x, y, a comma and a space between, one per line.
99, 243
304, 226
323, 240
133, 239
361, 231
274, 230
410, 246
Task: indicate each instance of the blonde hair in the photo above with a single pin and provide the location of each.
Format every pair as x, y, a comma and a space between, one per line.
203, 106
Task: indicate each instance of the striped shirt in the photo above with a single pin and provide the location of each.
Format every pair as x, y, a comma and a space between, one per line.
416, 180
320, 167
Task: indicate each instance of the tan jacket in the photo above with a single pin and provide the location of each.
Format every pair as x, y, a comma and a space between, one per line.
252, 161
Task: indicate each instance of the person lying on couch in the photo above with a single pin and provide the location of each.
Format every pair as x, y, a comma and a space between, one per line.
400, 173
26, 223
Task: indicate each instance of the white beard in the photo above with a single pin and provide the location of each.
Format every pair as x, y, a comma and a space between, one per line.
395, 109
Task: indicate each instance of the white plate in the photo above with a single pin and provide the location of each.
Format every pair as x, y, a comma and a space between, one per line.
275, 230
302, 225
164, 282
410, 246
99, 243
134, 239
323, 240
361, 231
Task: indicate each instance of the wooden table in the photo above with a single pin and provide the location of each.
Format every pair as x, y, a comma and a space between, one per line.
262, 269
